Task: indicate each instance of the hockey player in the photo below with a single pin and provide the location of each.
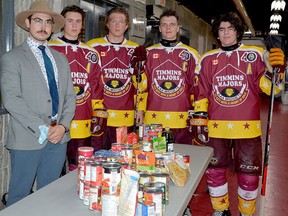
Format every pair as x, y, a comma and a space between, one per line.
85, 68
230, 81
119, 82
170, 67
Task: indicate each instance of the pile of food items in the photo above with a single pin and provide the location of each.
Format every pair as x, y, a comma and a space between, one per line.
133, 177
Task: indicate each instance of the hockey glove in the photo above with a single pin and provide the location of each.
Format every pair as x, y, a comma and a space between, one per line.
276, 57
199, 128
98, 122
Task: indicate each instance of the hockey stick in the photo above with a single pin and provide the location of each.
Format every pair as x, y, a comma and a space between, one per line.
138, 76
268, 133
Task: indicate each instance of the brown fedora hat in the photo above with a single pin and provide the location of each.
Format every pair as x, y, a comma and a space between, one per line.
40, 7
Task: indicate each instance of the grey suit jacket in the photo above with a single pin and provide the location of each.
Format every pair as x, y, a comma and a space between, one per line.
27, 99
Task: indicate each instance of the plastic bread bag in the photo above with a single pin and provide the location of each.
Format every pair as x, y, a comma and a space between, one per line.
179, 172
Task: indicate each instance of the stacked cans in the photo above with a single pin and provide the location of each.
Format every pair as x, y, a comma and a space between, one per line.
111, 182
89, 178
153, 188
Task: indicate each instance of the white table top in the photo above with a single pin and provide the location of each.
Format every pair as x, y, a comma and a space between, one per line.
60, 197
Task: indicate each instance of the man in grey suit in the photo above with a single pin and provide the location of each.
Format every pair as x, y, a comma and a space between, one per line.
37, 135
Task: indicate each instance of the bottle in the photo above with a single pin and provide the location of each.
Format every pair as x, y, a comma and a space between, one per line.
169, 139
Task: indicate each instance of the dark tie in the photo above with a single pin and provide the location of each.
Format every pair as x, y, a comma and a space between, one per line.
51, 80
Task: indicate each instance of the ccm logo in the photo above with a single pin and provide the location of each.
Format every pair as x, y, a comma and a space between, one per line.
242, 166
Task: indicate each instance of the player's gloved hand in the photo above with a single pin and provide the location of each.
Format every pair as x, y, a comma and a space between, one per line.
98, 121
276, 57
199, 128
138, 57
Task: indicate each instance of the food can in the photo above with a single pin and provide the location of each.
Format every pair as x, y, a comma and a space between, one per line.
164, 178
117, 147
159, 161
157, 127
153, 134
111, 178
86, 193
96, 173
80, 176
144, 178
110, 203
86, 152
186, 159
157, 186
168, 156
95, 198
143, 131
124, 165
87, 170
146, 208
99, 158
156, 196
146, 144
81, 189
127, 154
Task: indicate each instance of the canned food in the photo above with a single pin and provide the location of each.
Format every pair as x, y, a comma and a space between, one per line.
117, 147
110, 204
87, 169
124, 165
157, 127
81, 189
146, 208
99, 158
153, 134
144, 178
143, 131
146, 144
111, 178
157, 186
164, 178
154, 196
86, 194
159, 161
81, 168
127, 154
95, 198
85, 152
96, 174
186, 159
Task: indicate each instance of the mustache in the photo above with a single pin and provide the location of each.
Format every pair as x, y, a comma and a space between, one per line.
42, 31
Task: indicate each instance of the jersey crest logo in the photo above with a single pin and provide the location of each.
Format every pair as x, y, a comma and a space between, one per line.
249, 57
103, 54
184, 55
168, 80
230, 90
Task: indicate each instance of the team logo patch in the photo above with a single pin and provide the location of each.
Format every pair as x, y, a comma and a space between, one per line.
184, 55
103, 54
